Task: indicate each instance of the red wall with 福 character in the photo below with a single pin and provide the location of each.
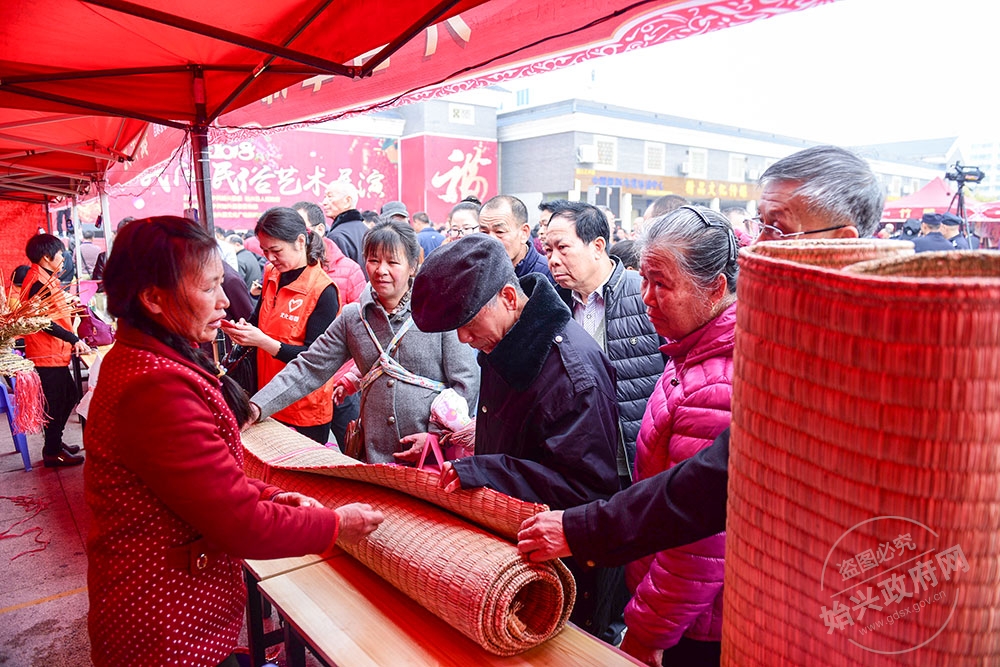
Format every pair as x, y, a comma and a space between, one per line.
440, 171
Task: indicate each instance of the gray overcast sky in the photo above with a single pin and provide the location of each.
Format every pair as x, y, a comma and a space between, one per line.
852, 72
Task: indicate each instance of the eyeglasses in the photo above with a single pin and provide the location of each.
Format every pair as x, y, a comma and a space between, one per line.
724, 226
772, 233
462, 231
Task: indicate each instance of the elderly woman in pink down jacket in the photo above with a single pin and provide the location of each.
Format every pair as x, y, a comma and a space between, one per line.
689, 287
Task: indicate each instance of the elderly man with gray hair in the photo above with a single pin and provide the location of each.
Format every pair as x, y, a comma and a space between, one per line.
347, 227
547, 419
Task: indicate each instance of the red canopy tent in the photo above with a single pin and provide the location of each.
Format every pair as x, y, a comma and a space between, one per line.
183, 63
935, 197
45, 154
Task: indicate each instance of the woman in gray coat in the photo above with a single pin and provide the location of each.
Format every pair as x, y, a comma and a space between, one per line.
403, 369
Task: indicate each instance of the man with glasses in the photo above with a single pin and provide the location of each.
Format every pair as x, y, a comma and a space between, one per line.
820, 192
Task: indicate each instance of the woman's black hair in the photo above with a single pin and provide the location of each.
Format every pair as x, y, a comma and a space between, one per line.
285, 224
388, 237
157, 252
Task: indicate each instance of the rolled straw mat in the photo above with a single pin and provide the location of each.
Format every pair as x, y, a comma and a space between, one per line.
866, 423
472, 579
833, 253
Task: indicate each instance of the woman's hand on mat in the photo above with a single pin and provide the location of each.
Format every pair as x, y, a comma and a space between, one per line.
356, 521
644, 654
293, 499
542, 537
417, 442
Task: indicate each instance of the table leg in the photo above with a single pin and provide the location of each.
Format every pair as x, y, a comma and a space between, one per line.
255, 620
295, 648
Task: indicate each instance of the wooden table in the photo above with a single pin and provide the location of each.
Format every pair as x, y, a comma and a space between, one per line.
350, 617
254, 572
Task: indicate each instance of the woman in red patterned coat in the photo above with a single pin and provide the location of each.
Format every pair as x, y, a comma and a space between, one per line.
172, 508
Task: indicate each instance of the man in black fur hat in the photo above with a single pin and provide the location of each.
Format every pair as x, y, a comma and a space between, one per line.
547, 421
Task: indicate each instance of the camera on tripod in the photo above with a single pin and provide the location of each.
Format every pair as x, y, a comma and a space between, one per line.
962, 175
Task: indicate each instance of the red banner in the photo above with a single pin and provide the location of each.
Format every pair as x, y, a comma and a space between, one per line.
438, 172
251, 176
531, 37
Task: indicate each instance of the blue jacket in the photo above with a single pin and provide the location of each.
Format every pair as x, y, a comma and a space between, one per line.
429, 240
933, 242
633, 346
533, 262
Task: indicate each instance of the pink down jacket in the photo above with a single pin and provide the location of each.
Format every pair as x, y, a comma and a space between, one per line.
678, 592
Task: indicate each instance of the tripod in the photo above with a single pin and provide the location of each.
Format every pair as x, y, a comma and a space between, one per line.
967, 228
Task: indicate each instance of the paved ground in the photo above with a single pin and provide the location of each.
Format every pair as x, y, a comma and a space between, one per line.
43, 595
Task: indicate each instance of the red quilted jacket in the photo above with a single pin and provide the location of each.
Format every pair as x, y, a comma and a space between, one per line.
678, 592
345, 272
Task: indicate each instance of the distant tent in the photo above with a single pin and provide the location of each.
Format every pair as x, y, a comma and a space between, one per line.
935, 197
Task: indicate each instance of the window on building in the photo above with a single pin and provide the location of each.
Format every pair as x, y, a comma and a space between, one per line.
737, 168
895, 186
522, 97
607, 152
696, 164
656, 156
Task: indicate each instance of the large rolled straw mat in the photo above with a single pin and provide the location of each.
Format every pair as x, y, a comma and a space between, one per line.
473, 579
864, 490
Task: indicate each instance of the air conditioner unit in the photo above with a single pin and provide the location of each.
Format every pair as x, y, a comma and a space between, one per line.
586, 153
684, 169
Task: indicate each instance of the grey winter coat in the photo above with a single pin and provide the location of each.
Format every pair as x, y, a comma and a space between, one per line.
391, 408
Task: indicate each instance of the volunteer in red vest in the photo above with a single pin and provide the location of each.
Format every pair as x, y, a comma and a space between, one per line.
51, 350
297, 304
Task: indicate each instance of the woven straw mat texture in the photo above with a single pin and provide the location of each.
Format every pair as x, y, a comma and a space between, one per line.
833, 254
271, 445
473, 580
864, 492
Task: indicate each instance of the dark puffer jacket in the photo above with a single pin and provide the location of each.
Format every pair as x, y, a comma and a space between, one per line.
633, 346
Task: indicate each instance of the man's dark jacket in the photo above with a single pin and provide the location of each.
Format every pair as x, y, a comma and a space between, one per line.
676, 507
933, 242
633, 346
547, 430
547, 423
533, 262
348, 231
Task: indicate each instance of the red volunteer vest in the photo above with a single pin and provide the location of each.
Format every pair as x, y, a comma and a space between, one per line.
42, 348
283, 316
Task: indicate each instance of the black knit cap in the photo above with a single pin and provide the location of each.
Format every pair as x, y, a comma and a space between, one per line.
457, 280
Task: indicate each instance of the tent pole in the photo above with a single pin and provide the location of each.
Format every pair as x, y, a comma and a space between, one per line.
106, 217
77, 238
199, 150
203, 175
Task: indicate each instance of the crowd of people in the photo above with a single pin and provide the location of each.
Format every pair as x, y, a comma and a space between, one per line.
598, 369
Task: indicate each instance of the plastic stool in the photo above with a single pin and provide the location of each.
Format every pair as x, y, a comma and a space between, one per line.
7, 406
